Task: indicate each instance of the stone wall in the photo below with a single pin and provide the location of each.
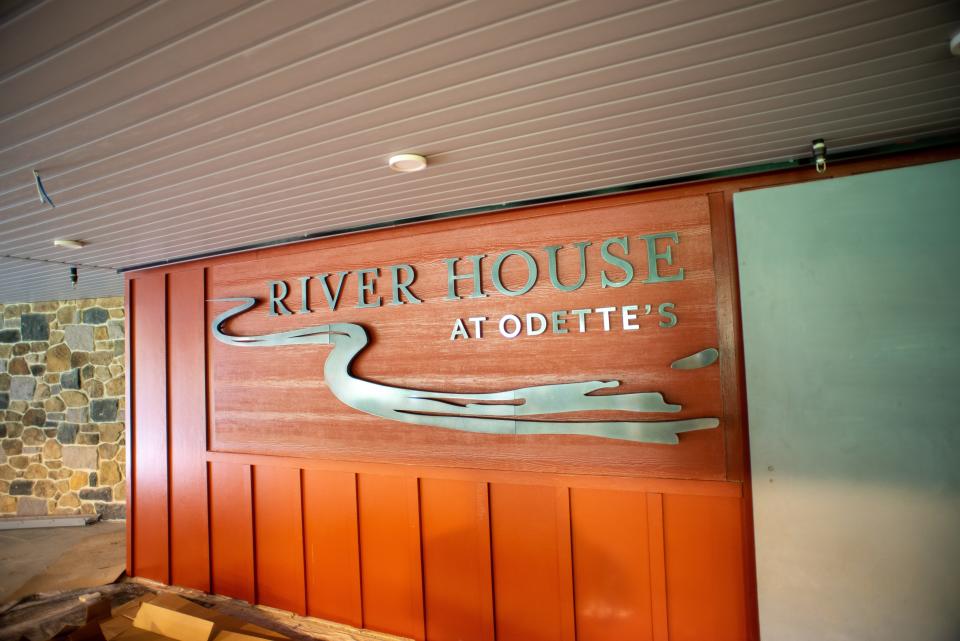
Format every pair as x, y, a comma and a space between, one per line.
62, 405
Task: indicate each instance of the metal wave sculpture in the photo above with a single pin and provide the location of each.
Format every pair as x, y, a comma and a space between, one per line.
493, 413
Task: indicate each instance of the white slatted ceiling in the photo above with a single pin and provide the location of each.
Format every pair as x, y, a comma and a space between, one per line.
167, 129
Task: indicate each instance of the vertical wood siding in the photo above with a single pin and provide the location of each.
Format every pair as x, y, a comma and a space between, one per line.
149, 455
466, 551
231, 531
189, 535
441, 558
457, 567
390, 570
332, 545
611, 565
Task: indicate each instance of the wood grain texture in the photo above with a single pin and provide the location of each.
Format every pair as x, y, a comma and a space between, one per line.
279, 538
189, 531
411, 347
532, 573
704, 568
390, 563
611, 565
730, 343
149, 414
231, 531
331, 545
458, 590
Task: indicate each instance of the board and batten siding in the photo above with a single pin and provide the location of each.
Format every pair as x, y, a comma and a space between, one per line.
249, 479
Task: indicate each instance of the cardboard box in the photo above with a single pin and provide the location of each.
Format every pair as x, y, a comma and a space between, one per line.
175, 618
228, 635
135, 634
226, 623
179, 604
98, 608
90, 631
168, 617
130, 608
113, 627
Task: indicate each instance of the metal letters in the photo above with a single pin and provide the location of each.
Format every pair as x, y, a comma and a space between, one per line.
702, 358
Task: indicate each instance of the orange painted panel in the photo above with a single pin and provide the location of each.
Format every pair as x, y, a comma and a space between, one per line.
704, 568
390, 554
149, 413
189, 537
331, 546
231, 531
658, 568
457, 580
532, 574
279, 537
611, 565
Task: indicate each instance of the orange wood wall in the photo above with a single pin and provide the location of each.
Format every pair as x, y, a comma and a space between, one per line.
626, 542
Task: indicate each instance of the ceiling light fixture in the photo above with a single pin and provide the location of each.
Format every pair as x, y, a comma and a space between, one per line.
407, 163
955, 44
69, 244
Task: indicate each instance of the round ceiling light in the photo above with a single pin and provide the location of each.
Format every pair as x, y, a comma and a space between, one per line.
407, 162
955, 44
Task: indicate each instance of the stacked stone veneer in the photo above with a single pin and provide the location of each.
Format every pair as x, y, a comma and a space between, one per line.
62, 404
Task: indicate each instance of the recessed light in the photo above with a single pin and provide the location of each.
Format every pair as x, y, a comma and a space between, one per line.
69, 244
407, 162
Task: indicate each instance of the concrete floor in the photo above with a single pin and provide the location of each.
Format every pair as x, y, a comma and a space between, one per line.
60, 558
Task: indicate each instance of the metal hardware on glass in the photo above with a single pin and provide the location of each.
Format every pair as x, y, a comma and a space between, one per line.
703, 358
491, 413
819, 150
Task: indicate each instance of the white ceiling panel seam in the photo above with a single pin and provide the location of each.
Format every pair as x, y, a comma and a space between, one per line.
643, 35
228, 168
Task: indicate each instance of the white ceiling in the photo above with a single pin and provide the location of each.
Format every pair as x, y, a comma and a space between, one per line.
169, 129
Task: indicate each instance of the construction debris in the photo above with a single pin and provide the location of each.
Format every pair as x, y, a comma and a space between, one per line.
40, 617
140, 610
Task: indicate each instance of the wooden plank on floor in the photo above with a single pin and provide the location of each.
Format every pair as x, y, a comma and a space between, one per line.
53, 520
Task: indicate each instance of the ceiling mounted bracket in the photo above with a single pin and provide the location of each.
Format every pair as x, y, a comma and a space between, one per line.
819, 150
44, 197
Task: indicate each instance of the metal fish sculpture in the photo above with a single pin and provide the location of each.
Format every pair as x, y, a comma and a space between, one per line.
493, 413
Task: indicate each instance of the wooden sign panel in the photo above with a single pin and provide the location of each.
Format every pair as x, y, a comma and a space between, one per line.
632, 323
